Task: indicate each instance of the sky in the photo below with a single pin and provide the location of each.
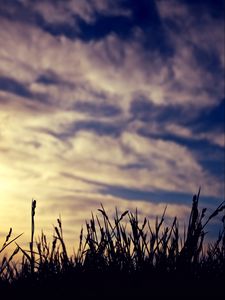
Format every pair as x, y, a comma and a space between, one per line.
113, 102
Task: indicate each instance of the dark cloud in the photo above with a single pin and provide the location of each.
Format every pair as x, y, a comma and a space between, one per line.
97, 109
200, 123
206, 119
155, 196
210, 119
213, 165
70, 131
105, 25
46, 131
140, 165
145, 110
65, 29
215, 8
208, 60
100, 128
15, 87
48, 79
207, 154
18, 11
145, 16
79, 28
82, 179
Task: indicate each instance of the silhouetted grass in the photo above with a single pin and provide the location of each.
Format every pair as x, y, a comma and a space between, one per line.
121, 258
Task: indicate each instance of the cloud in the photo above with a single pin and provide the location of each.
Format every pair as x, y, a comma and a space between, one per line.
199, 60
12, 86
102, 81
68, 17
106, 158
104, 66
98, 110
112, 116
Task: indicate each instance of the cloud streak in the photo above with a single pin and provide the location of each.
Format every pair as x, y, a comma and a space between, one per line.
122, 118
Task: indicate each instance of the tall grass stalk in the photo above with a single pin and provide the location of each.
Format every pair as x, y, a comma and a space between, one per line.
123, 245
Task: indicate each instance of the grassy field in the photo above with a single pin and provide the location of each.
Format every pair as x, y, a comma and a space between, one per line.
120, 258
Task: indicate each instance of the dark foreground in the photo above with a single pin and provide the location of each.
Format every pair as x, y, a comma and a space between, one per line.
121, 259
119, 287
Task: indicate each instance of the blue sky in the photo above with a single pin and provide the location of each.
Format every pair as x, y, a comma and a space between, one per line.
119, 102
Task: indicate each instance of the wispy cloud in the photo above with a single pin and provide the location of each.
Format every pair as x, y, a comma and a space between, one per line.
122, 118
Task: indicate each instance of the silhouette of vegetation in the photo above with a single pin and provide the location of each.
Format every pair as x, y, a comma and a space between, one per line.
121, 258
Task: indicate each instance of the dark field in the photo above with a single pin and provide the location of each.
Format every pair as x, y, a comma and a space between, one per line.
121, 260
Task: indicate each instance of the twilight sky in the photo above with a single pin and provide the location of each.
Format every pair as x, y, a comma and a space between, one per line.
119, 102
